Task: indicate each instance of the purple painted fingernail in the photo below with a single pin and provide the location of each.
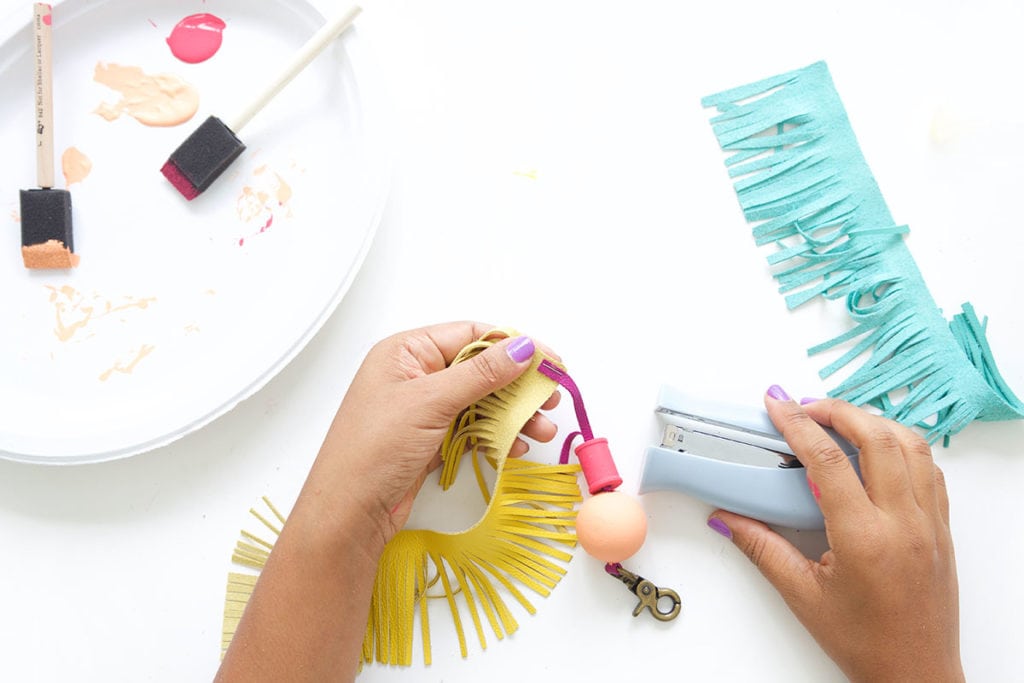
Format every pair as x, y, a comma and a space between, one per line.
777, 392
520, 349
719, 526
808, 399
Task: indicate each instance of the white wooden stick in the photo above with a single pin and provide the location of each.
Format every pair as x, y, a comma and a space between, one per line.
43, 94
328, 32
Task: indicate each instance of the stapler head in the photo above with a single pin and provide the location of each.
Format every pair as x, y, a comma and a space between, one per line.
731, 457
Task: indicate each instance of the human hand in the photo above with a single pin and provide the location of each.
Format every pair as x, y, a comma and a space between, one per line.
882, 601
303, 620
385, 437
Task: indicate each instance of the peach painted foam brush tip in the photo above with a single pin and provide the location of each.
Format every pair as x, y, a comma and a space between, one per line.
212, 147
46, 239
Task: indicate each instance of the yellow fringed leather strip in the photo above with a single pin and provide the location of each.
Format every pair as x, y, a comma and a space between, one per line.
531, 509
252, 551
530, 513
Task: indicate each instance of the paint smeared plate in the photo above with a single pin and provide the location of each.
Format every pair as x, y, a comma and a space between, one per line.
179, 310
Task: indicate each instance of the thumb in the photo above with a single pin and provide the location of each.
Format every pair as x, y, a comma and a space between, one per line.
779, 561
486, 372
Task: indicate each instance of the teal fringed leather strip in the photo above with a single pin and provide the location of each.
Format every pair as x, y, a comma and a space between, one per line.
804, 185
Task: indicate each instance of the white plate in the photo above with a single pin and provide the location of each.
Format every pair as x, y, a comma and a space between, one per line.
179, 309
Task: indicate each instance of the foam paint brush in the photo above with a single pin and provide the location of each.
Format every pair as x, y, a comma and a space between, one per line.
212, 147
46, 240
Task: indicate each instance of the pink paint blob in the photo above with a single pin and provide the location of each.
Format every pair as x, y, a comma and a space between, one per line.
48, 19
196, 38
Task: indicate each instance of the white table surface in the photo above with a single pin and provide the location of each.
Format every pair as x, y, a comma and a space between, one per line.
554, 171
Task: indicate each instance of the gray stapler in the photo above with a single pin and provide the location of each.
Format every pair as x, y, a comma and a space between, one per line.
731, 457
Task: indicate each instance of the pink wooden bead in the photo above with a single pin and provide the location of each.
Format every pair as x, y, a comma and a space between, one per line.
598, 466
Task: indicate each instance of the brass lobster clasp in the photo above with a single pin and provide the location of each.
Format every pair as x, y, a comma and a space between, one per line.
649, 594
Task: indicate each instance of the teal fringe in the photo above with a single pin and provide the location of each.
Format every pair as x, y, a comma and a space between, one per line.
805, 187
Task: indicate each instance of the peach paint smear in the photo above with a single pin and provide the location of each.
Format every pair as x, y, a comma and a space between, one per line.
196, 38
152, 100
265, 195
74, 312
126, 365
76, 166
49, 254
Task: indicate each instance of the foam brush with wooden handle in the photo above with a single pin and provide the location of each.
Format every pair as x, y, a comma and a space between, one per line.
46, 239
212, 147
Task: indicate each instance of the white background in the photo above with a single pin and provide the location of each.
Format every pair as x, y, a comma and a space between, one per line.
628, 254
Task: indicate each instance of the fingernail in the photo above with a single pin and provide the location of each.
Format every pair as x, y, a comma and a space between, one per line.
814, 489
777, 392
520, 349
719, 526
807, 399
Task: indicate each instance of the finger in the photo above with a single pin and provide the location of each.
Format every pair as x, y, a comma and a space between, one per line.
539, 428
941, 494
428, 349
552, 402
778, 560
451, 338
833, 480
921, 468
519, 448
469, 381
883, 462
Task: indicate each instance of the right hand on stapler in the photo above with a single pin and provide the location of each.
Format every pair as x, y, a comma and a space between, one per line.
883, 600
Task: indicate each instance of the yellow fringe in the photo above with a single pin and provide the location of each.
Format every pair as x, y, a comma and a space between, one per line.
529, 515
251, 552
532, 509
